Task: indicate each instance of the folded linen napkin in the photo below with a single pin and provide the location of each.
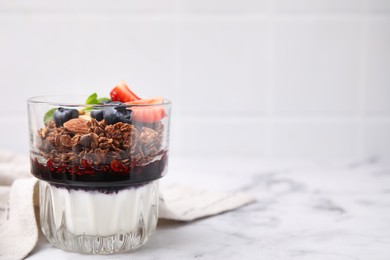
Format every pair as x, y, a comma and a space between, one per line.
19, 222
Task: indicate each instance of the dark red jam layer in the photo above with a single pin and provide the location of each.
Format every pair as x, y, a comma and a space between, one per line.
90, 177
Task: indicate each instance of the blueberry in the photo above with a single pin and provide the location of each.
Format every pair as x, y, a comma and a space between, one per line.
117, 114
105, 102
62, 115
97, 114
115, 103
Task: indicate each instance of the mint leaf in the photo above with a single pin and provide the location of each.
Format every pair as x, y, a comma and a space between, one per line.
92, 99
49, 115
103, 99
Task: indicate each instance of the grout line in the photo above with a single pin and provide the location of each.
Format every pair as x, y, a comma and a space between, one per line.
362, 79
178, 76
14, 117
177, 56
273, 120
270, 88
177, 15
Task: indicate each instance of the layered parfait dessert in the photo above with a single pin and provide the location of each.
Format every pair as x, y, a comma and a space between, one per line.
99, 165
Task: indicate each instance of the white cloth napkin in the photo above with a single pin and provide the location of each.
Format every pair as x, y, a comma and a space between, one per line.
18, 205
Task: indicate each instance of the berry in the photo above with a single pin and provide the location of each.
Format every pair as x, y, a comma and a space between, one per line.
150, 113
62, 115
116, 166
117, 114
122, 92
116, 103
97, 114
105, 101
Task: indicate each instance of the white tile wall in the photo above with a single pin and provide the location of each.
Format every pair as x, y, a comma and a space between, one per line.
379, 5
223, 63
37, 57
143, 52
319, 5
316, 64
227, 137
378, 138
14, 135
225, 6
378, 67
76, 6
268, 78
155, 6
316, 139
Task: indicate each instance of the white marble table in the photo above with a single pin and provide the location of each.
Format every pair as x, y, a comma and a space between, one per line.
305, 210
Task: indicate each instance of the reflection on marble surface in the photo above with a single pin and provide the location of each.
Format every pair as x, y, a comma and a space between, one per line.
305, 210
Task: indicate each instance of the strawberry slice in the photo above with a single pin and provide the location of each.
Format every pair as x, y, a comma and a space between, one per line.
122, 93
147, 101
147, 114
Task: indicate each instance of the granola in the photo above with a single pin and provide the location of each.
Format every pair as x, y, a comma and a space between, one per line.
101, 144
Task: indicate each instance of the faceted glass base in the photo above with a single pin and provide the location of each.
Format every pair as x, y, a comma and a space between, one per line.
98, 222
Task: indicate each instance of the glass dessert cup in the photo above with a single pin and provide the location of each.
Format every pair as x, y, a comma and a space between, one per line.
98, 181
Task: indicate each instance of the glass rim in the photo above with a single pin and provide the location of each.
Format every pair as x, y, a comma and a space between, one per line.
46, 100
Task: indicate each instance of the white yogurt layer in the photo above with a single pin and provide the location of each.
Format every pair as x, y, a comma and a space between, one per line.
96, 213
